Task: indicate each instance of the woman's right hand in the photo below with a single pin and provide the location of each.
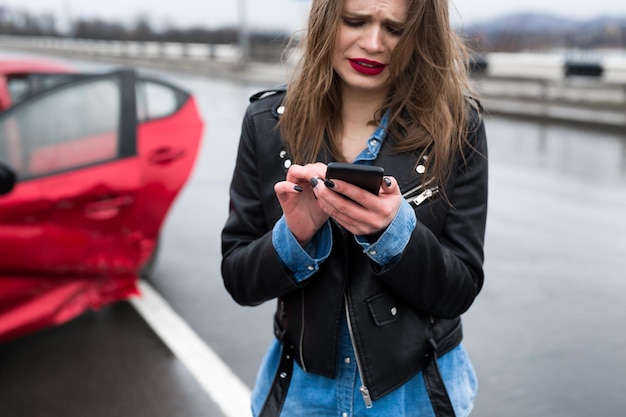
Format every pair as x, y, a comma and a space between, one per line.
303, 215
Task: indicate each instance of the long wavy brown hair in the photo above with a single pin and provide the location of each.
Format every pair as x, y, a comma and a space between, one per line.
429, 82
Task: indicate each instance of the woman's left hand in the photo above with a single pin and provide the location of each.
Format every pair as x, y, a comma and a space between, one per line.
361, 213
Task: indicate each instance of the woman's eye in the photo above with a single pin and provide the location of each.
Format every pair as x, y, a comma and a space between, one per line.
352, 23
394, 30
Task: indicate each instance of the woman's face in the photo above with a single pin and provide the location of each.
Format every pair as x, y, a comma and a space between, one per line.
368, 32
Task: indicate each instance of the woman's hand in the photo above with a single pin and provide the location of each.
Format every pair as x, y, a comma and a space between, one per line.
362, 213
303, 215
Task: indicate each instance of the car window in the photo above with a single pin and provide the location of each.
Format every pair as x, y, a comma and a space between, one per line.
64, 129
155, 100
19, 87
22, 86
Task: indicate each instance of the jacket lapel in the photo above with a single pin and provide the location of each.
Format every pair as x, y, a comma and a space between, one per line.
400, 166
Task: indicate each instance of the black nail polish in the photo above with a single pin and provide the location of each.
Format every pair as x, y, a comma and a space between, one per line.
387, 181
298, 188
329, 184
313, 182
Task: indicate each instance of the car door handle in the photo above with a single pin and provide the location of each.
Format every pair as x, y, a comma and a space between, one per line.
107, 208
163, 156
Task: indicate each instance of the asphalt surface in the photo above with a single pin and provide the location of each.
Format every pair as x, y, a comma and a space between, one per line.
545, 334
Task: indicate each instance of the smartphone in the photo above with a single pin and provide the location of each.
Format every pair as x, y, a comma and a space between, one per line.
367, 177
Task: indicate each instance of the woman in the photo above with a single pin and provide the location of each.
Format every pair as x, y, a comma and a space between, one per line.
369, 287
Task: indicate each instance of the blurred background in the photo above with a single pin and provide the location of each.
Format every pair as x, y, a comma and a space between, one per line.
545, 333
489, 26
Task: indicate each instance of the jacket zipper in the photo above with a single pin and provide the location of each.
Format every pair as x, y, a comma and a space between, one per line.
419, 187
425, 196
301, 347
364, 391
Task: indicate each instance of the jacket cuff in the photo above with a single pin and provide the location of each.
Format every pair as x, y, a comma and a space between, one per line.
302, 262
390, 245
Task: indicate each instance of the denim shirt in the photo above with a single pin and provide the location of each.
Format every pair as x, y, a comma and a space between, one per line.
315, 395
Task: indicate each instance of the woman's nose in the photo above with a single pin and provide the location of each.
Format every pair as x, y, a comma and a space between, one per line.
372, 39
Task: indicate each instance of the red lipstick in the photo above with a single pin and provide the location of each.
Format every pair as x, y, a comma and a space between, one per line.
367, 67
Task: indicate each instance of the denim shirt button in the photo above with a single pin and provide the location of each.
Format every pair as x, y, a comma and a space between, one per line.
347, 360
310, 268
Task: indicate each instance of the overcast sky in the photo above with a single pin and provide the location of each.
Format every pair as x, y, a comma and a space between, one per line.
286, 14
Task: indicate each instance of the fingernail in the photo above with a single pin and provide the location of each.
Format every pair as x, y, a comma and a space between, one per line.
387, 181
313, 182
329, 184
298, 188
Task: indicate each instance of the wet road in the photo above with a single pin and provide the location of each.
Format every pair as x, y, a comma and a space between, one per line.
545, 334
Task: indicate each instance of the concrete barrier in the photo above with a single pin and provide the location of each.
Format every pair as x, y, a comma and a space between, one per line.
525, 66
614, 70
134, 49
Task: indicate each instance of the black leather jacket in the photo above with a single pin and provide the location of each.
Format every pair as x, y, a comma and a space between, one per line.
394, 311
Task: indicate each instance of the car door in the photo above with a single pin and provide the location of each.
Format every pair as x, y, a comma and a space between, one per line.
73, 213
168, 137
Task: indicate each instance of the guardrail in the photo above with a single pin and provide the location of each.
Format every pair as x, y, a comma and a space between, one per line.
155, 50
542, 85
610, 70
553, 86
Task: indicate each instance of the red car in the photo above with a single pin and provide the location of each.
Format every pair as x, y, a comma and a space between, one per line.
98, 161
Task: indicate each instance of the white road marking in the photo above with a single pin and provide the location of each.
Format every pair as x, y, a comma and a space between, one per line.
230, 394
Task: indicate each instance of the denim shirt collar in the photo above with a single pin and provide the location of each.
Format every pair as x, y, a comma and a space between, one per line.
375, 142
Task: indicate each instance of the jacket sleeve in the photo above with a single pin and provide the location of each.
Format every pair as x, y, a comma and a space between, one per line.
442, 274
251, 269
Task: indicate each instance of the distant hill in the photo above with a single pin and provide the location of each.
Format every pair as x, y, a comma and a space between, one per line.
526, 22
536, 30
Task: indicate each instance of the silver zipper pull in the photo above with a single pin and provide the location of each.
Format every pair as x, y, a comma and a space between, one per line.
366, 396
416, 189
423, 197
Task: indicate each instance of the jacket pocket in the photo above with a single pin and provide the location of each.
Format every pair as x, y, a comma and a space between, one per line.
384, 309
